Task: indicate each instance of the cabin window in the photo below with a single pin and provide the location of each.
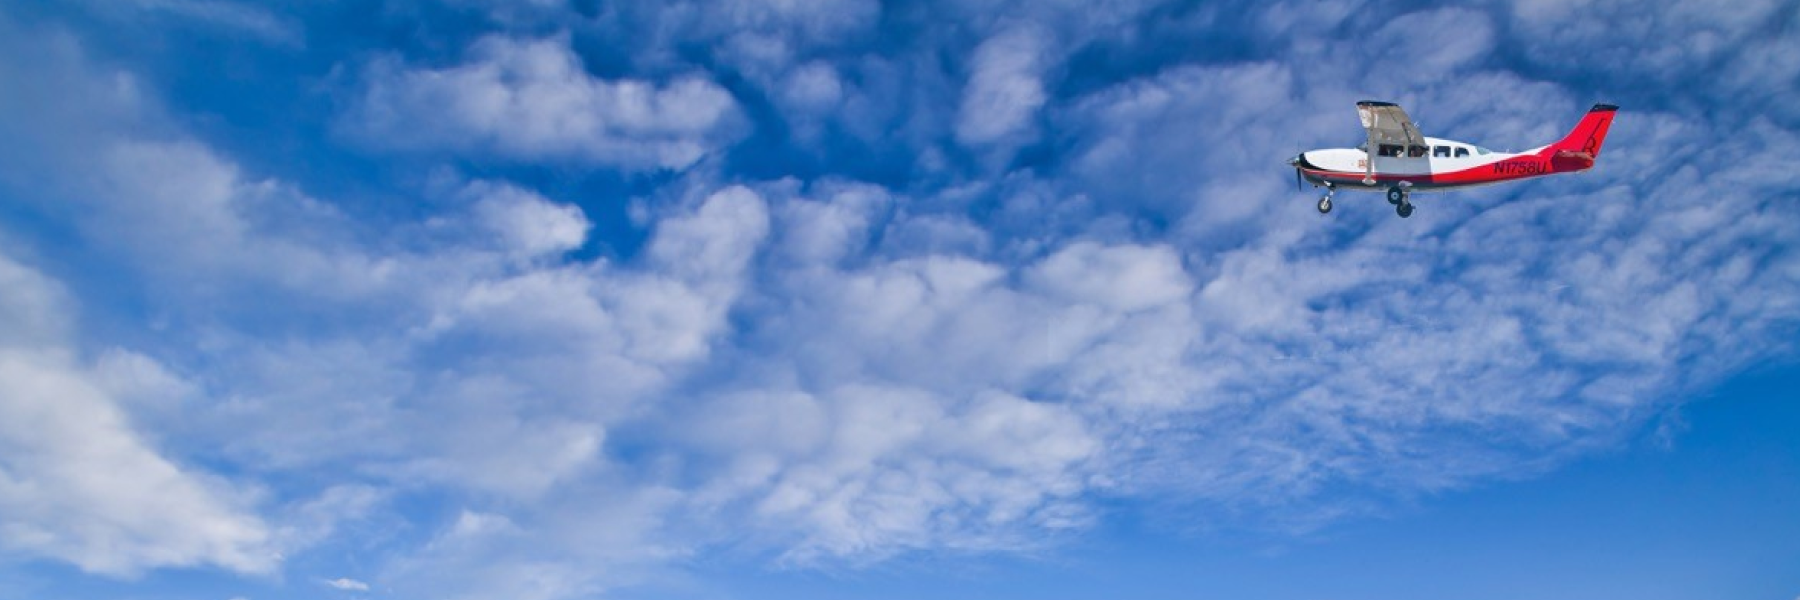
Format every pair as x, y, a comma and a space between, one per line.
1440, 151
1482, 151
1416, 151
1461, 151
1389, 150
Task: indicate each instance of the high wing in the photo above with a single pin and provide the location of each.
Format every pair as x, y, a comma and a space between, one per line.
1387, 124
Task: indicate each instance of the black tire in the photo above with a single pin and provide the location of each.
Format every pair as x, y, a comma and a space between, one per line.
1404, 210
1325, 205
1396, 195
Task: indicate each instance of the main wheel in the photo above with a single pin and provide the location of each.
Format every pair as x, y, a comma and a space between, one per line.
1396, 195
1404, 210
1325, 205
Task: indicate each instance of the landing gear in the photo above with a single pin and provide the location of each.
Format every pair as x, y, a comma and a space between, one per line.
1397, 196
1325, 201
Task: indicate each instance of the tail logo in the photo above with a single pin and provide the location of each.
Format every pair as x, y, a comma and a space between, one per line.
1592, 148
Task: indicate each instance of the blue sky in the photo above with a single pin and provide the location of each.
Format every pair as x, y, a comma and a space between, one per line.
732, 299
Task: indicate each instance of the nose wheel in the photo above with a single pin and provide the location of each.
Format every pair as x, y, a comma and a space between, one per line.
1325, 201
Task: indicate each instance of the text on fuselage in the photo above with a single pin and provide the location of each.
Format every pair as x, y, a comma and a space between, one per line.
1519, 168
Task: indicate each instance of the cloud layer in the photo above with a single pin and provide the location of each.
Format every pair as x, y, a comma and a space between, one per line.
880, 281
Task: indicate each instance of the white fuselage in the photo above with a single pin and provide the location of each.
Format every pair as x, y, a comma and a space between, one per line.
1441, 157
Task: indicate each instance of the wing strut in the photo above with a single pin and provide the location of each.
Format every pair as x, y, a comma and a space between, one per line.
1371, 121
1368, 159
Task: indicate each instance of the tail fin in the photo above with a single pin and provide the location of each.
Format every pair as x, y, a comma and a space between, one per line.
1578, 151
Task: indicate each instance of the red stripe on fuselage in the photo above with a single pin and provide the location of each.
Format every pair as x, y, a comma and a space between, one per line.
1521, 167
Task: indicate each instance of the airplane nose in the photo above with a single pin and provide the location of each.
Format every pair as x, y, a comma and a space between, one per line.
1295, 161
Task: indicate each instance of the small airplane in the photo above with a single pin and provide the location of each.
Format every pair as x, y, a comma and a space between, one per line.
1404, 161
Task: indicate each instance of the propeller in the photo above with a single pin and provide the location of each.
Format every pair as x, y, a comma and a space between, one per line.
1299, 182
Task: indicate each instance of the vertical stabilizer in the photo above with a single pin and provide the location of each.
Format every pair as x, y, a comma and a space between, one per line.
1578, 151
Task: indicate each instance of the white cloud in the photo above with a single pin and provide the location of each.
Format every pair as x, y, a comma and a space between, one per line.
1730, 44
529, 225
1430, 44
813, 20
713, 244
32, 309
758, 36
1141, 141
529, 363
183, 214
308, 522
811, 95
481, 442
182, 200
696, 264
602, 536
396, 400
347, 584
862, 472
78, 484
532, 100
1121, 278
1005, 88
825, 232
814, 87
223, 14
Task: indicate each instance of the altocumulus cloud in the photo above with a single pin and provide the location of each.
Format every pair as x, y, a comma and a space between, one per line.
831, 371
531, 100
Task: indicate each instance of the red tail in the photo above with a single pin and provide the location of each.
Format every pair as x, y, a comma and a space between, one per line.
1578, 151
